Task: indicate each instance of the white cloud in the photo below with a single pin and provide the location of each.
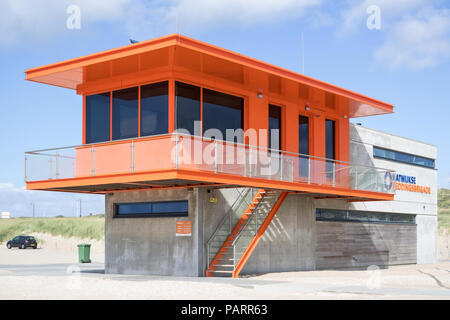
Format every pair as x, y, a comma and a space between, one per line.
25, 20
415, 33
354, 16
185, 16
417, 41
18, 202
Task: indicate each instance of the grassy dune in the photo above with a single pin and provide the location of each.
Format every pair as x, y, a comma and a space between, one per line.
444, 208
86, 227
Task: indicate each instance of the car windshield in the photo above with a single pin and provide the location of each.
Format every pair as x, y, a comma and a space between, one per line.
30, 238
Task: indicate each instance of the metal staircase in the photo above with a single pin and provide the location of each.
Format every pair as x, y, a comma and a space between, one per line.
237, 235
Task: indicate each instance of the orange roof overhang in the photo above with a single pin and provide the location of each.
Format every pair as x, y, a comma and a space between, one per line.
71, 73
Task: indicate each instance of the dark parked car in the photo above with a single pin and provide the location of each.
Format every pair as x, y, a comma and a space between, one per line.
22, 242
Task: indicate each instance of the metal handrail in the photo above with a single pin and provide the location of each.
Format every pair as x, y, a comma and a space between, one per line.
248, 221
253, 147
241, 195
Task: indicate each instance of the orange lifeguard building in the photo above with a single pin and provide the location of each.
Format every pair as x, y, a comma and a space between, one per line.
172, 122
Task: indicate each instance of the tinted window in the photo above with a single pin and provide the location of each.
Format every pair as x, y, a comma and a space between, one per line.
152, 209
403, 157
98, 121
154, 109
125, 113
187, 106
274, 127
303, 135
222, 111
330, 139
364, 216
303, 145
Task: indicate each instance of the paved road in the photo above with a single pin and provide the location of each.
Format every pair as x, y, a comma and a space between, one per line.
46, 274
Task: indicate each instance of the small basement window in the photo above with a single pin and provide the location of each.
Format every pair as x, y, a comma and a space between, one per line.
151, 209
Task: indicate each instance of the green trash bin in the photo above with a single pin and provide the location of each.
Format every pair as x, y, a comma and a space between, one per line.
84, 250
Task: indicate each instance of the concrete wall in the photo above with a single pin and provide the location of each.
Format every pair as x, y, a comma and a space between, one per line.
149, 245
424, 206
289, 242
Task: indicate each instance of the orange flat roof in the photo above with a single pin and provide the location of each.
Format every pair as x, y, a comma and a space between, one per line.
69, 73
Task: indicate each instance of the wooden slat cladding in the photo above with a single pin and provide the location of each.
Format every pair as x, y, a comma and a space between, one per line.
355, 244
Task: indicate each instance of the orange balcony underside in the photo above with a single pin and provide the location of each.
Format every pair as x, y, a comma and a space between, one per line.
181, 178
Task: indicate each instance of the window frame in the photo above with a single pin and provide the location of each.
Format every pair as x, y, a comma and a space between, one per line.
400, 161
117, 215
110, 91
351, 216
281, 126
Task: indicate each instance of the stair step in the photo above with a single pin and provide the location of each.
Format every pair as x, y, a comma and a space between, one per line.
222, 273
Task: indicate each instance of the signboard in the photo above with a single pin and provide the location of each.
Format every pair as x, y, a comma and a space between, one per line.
183, 228
404, 183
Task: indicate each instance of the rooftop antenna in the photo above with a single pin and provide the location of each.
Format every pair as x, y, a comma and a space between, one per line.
303, 55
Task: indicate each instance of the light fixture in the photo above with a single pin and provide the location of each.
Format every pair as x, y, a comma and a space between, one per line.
260, 95
307, 108
345, 116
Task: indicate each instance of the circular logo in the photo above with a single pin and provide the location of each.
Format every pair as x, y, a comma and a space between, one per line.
388, 180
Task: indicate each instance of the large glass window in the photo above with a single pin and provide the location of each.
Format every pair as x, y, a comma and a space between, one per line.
154, 109
125, 113
187, 106
403, 157
303, 135
98, 117
364, 216
152, 209
222, 111
274, 127
303, 145
330, 147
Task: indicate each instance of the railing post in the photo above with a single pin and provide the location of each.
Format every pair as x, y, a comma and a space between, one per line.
215, 157
250, 162
132, 157
309, 170
245, 162
92, 162
234, 257
57, 165
281, 167
176, 151
25, 168
334, 173
376, 180
50, 165
256, 222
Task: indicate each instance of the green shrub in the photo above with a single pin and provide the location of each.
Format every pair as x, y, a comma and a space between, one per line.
86, 227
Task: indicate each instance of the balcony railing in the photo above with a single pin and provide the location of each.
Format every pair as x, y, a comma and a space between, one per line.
184, 152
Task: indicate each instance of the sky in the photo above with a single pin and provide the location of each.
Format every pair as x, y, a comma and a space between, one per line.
394, 51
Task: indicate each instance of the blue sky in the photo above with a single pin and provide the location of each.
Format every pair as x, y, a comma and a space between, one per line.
406, 62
